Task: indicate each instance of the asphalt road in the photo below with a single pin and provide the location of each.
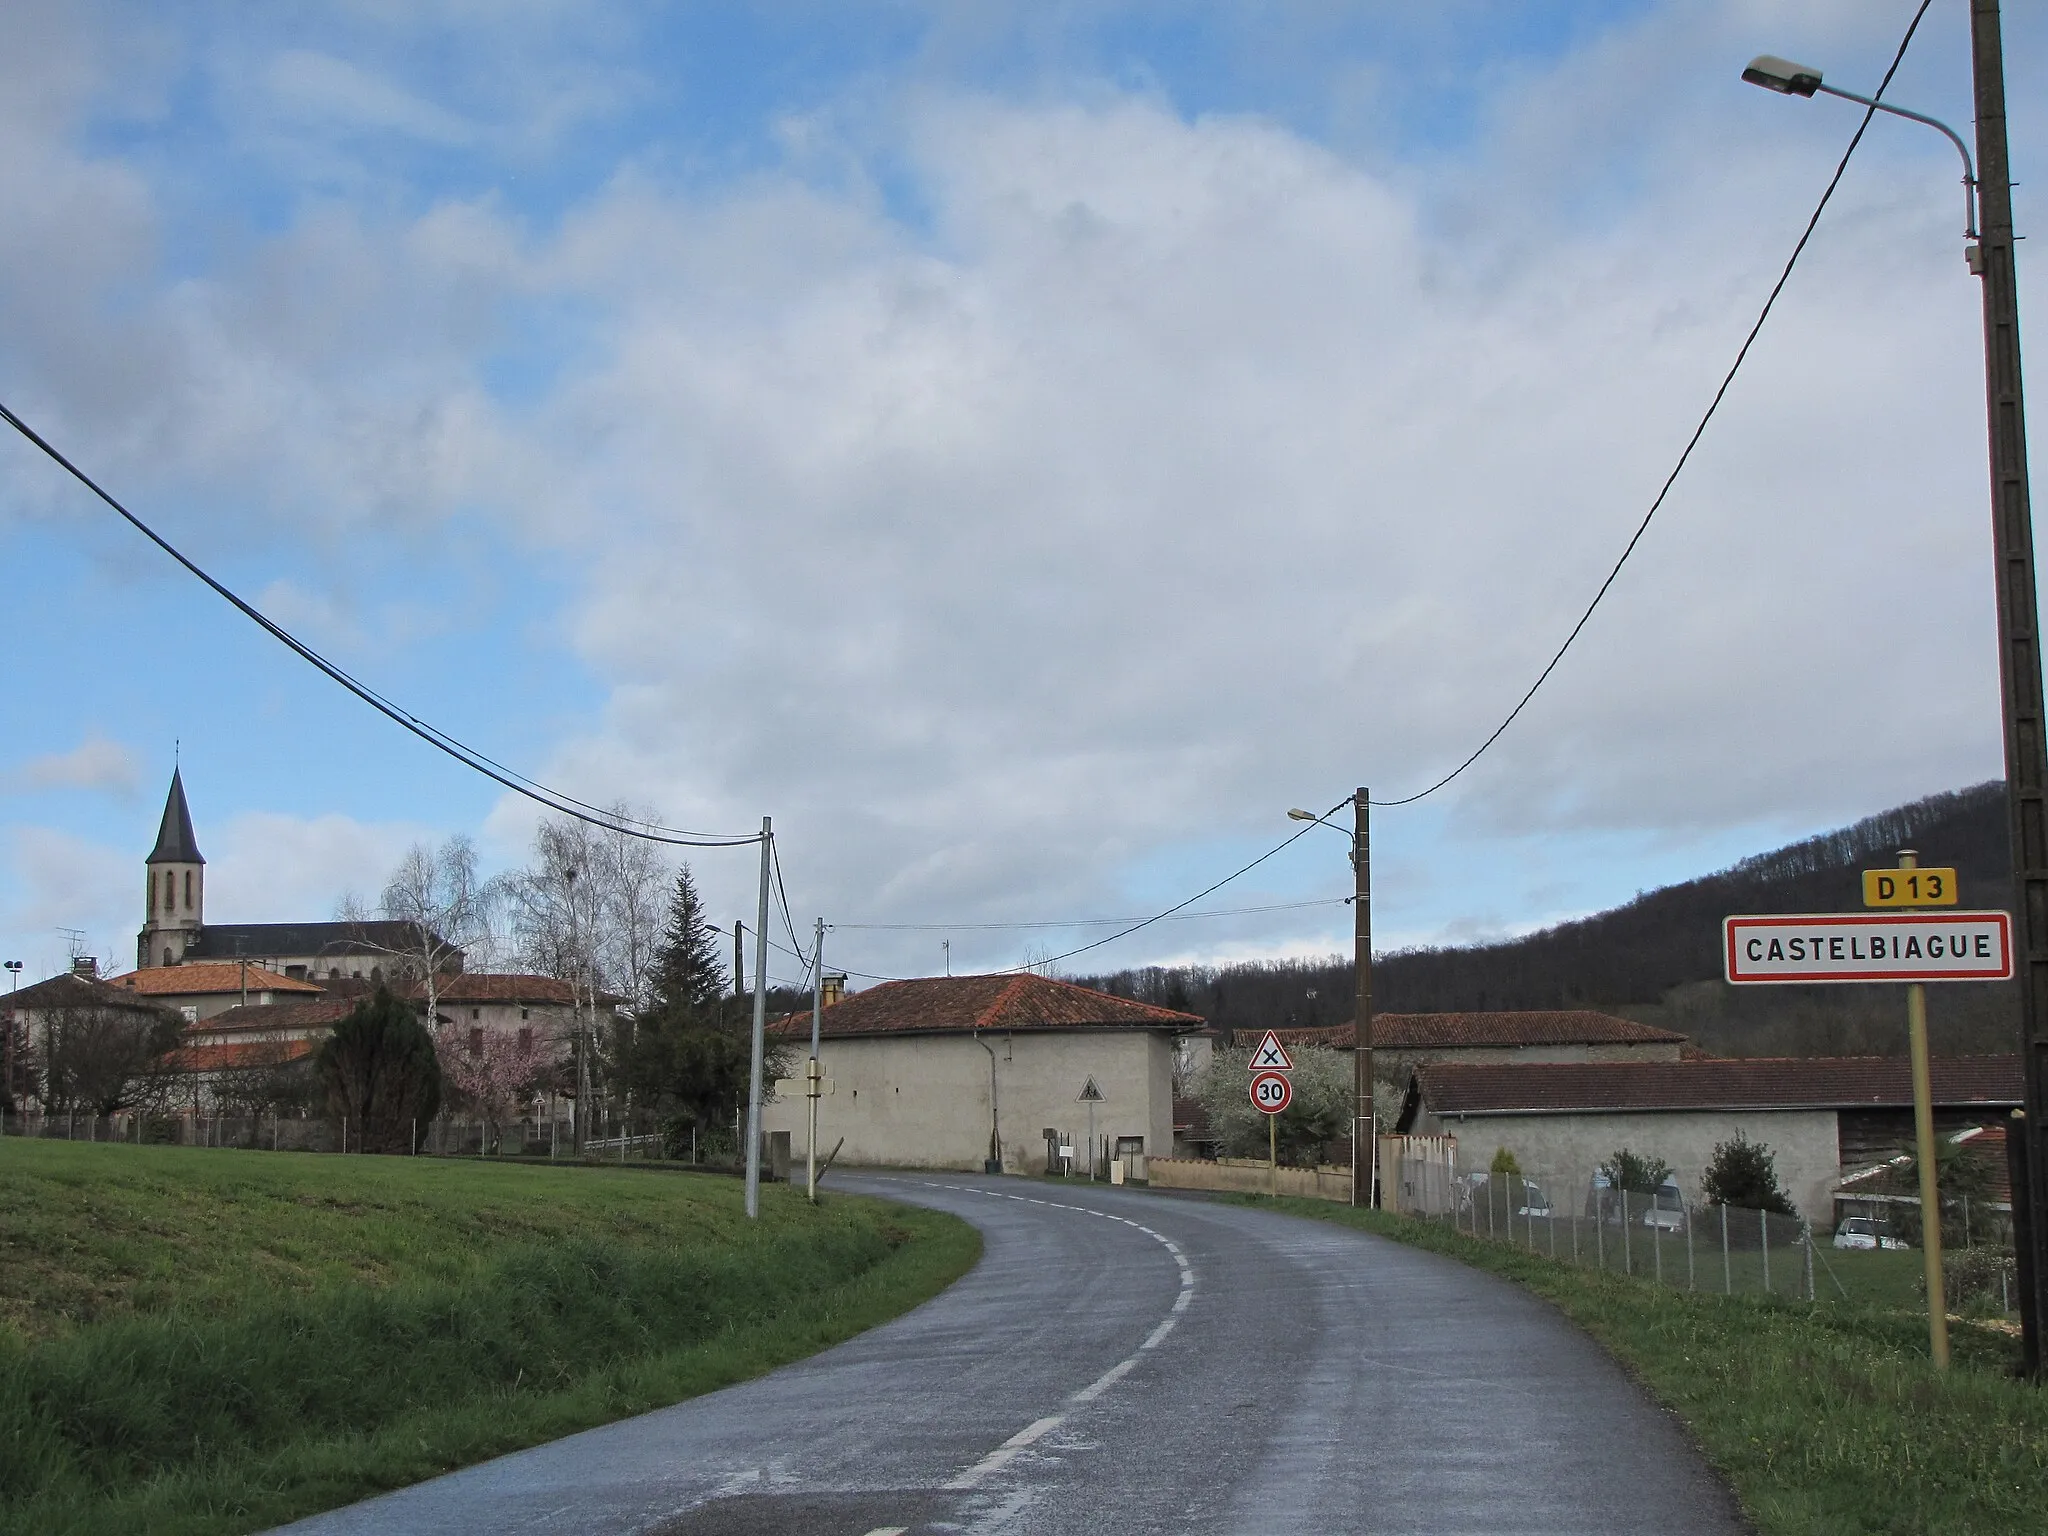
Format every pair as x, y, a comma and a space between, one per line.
1120, 1363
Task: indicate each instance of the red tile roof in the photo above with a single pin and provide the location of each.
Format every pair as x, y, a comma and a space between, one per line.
312, 1013
956, 1004
239, 1055
1819, 1082
1448, 1031
210, 978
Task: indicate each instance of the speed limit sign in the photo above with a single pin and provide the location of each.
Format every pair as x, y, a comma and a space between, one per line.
1272, 1092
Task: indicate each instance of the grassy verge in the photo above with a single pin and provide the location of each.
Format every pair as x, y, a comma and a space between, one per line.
1825, 1420
219, 1341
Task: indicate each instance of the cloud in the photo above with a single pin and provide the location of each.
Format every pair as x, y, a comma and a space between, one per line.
58, 882
96, 763
1027, 497
271, 868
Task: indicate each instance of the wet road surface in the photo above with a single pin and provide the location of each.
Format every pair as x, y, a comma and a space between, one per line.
1121, 1362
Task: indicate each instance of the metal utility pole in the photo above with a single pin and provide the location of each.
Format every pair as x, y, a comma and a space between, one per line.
760, 1026
1365, 1142
1923, 1154
813, 1086
2019, 659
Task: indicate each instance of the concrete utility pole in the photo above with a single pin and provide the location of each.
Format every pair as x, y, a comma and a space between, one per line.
1365, 1141
2019, 665
760, 1025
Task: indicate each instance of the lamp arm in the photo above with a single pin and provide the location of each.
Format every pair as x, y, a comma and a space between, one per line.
1969, 167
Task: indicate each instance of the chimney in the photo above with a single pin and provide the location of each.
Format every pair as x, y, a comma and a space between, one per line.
86, 966
831, 988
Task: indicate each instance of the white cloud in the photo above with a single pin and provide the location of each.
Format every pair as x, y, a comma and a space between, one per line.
96, 763
271, 868
57, 882
1153, 476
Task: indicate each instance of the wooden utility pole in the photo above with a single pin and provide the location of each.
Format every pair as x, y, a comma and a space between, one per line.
2019, 660
1365, 1143
1923, 1153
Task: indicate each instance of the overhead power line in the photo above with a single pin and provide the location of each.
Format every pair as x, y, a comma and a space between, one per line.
1698, 432
1090, 922
554, 799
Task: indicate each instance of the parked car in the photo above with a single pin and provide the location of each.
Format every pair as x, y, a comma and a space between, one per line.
1866, 1232
1666, 1212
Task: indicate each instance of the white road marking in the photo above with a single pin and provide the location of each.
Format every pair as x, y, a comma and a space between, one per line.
889, 1530
1011, 1448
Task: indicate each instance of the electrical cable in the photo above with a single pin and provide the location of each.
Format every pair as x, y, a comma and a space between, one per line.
1093, 922
555, 800
782, 891
1697, 432
1177, 906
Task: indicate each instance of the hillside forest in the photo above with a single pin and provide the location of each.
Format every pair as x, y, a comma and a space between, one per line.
1657, 958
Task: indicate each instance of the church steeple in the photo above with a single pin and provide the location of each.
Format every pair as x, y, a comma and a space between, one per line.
175, 843
174, 898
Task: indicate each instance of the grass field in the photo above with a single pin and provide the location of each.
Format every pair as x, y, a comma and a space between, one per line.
1826, 1420
210, 1340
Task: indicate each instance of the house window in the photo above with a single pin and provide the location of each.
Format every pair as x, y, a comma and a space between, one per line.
296, 972
525, 1013
188, 890
167, 954
476, 1013
476, 1040
191, 1013
526, 1039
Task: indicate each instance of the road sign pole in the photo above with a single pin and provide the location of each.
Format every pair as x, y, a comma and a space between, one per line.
2019, 654
1923, 1152
1273, 1153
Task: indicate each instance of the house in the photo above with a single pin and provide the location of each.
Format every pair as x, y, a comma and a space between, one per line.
201, 989
31, 1017
175, 931
932, 1073
1562, 1120
1503, 1036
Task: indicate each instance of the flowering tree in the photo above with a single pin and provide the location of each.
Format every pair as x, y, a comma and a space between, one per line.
492, 1073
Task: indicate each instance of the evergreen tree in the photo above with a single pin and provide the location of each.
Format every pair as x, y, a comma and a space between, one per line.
380, 1072
688, 973
688, 1059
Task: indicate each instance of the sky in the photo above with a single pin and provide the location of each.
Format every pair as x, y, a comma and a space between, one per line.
1024, 449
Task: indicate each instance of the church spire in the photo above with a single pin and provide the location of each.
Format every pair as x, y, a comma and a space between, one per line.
175, 843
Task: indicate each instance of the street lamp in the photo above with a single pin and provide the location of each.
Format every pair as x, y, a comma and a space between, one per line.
1789, 79
1365, 1142
1988, 188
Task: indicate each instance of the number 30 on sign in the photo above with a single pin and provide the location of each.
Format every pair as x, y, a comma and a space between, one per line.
1272, 1092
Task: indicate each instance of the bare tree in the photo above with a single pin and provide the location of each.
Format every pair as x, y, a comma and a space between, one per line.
434, 904
103, 1058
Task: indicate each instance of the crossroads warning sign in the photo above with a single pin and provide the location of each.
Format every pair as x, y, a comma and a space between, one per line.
1271, 1055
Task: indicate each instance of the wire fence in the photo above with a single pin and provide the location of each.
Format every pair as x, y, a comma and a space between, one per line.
612, 1138
1730, 1250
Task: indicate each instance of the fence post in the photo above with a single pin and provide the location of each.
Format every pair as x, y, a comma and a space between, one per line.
1691, 1280
1763, 1225
1600, 1232
1806, 1232
1628, 1254
1575, 1235
1727, 1273
1657, 1245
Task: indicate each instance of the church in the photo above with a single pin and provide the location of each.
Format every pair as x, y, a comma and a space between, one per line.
175, 930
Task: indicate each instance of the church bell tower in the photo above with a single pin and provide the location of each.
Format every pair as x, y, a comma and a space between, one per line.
174, 903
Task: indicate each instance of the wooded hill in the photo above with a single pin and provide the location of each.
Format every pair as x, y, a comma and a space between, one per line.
1658, 958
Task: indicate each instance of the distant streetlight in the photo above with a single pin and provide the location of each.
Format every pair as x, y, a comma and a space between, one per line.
1365, 1142
1987, 186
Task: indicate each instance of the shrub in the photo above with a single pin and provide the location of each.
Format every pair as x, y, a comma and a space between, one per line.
1978, 1279
1743, 1173
1635, 1172
380, 1073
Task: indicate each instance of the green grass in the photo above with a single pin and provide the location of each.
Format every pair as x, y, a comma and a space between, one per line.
1825, 1420
199, 1340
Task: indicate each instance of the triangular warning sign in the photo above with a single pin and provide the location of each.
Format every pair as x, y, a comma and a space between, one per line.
1271, 1055
1091, 1094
